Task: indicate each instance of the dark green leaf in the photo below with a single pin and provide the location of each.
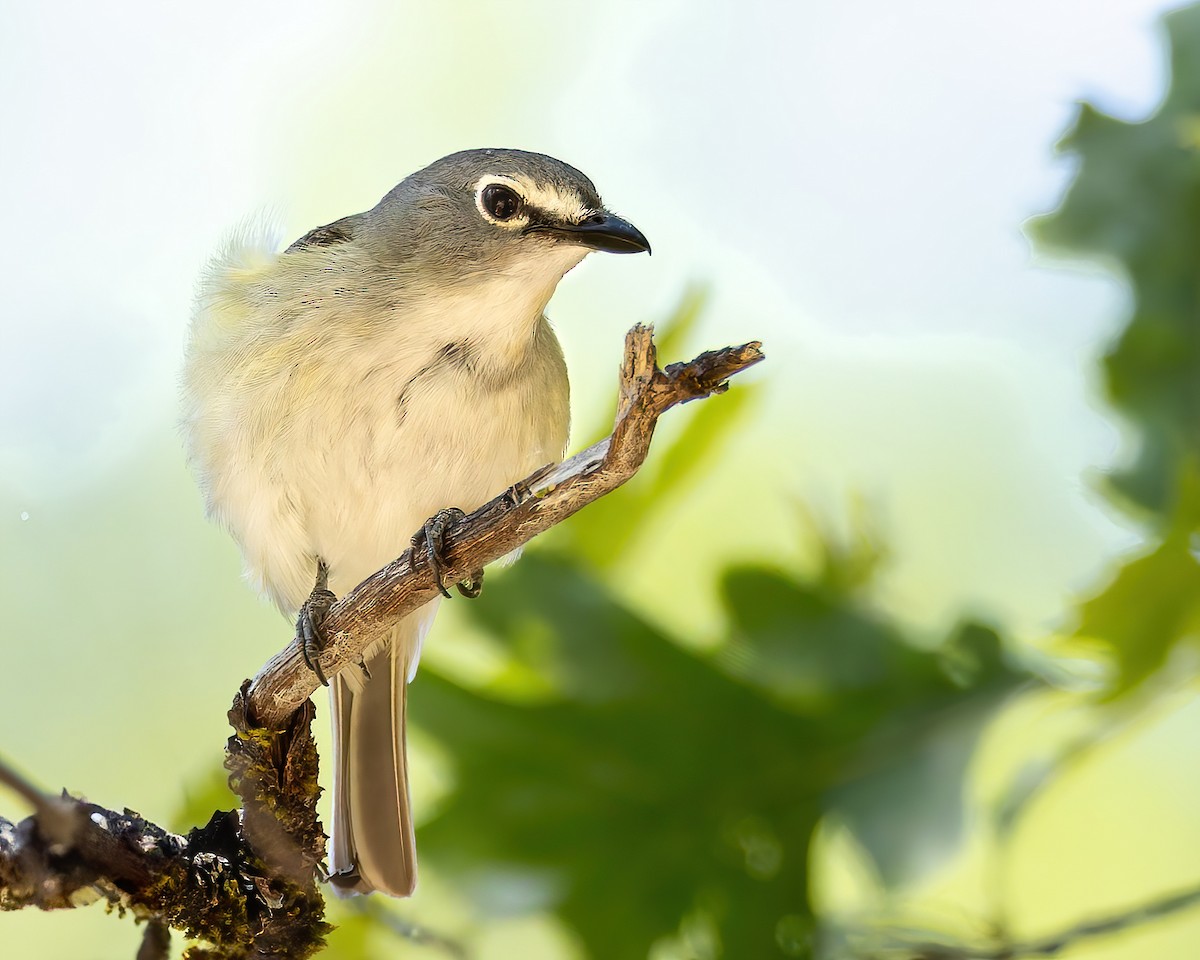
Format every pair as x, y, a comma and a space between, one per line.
1135, 203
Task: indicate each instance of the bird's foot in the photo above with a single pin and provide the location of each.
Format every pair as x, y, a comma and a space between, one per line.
431, 540
310, 632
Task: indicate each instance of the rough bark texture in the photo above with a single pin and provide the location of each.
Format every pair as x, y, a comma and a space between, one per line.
244, 885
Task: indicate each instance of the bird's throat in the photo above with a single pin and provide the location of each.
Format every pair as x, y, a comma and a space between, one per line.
498, 313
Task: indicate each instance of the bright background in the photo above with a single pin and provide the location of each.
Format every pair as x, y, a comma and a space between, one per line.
849, 181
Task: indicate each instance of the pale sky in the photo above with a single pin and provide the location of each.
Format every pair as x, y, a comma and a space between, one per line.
850, 180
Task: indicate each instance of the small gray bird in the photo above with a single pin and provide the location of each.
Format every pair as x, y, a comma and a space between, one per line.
381, 369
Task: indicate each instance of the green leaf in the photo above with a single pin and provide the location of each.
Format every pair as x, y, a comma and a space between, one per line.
898, 724
650, 787
1135, 203
1152, 604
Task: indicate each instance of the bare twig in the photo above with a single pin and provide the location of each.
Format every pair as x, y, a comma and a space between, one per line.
895, 945
373, 909
1034, 780
86, 846
22, 787
156, 941
56, 816
512, 519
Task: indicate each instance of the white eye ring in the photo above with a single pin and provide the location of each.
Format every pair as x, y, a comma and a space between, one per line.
491, 189
500, 201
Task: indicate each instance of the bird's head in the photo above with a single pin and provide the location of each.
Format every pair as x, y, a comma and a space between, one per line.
497, 210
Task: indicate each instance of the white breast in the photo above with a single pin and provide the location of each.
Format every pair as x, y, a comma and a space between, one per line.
329, 413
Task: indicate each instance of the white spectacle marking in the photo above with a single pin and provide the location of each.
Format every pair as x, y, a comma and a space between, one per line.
567, 205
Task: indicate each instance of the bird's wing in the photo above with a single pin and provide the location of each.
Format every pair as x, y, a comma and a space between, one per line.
340, 231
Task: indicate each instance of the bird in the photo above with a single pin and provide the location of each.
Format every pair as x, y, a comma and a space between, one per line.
381, 370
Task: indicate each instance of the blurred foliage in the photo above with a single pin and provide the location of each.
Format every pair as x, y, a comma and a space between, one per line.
650, 784
1135, 203
1153, 602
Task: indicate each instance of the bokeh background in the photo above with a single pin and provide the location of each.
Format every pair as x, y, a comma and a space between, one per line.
890, 645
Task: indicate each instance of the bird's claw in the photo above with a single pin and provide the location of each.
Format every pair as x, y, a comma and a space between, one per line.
310, 632
432, 537
432, 540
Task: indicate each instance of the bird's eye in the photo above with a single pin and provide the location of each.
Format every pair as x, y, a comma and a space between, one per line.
500, 201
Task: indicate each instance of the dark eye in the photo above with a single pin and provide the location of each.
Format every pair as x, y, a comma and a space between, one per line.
501, 202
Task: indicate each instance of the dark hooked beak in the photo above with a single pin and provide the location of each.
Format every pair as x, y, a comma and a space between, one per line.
602, 231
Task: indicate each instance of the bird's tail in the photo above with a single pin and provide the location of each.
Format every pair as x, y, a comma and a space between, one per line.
372, 846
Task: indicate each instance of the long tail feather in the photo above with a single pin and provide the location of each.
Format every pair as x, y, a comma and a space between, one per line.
372, 845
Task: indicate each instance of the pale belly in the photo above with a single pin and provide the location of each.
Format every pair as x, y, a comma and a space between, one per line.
365, 460
456, 444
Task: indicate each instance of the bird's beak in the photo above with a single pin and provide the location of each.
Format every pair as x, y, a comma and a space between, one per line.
607, 232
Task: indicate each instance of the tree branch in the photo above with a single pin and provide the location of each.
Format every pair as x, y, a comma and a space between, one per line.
512, 519
244, 884
211, 884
